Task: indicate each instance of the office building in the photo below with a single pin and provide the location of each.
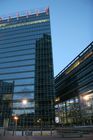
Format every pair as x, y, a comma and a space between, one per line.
26, 60
74, 90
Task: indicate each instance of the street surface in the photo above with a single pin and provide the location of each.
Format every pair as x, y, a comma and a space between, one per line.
85, 137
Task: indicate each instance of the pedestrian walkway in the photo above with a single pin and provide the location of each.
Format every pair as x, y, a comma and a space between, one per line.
85, 137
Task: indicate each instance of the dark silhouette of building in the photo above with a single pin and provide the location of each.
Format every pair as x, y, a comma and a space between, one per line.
44, 86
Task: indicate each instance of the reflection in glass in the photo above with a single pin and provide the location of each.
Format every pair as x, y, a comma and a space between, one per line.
24, 88
18, 63
20, 112
20, 105
18, 75
23, 96
17, 69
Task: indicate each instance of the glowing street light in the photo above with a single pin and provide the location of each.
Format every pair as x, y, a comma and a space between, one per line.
16, 119
57, 99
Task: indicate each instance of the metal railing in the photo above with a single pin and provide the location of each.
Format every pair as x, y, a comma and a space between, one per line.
24, 13
28, 132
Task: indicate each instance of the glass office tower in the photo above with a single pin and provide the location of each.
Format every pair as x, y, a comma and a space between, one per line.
26, 61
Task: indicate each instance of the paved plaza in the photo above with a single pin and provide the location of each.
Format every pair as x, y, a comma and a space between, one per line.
85, 137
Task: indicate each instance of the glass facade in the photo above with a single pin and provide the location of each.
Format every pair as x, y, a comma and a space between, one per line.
26, 61
74, 90
6, 97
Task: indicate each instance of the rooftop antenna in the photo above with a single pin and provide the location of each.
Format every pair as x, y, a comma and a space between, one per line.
17, 15
0, 19
37, 12
27, 14
47, 10
9, 18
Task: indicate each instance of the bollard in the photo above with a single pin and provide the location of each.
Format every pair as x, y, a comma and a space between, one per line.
41, 131
51, 131
31, 132
22, 133
13, 133
4, 132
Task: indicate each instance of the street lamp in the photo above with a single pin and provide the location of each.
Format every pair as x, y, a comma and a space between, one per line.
57, 99
16, 119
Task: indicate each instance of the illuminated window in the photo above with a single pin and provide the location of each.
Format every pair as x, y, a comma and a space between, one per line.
72, 66
4, 26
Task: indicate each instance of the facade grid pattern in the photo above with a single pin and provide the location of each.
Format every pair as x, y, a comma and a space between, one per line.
20, 65
74, 90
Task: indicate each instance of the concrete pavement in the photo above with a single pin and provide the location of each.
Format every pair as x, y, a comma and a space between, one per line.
85, 137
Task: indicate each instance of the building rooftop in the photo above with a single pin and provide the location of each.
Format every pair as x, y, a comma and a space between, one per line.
75, 61
26, 13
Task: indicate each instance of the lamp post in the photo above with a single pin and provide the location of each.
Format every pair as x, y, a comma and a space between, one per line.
16, 119
24, 102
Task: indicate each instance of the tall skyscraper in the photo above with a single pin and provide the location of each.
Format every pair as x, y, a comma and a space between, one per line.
26, 61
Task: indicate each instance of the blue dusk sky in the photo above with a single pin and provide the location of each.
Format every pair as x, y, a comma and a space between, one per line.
71, 25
